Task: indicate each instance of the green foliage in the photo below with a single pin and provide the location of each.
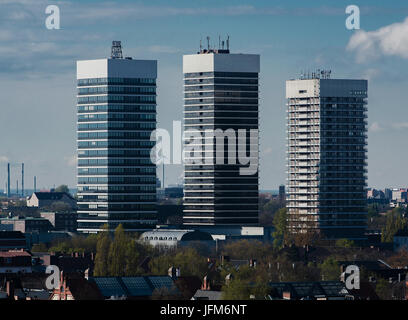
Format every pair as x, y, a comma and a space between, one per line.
62, 188
345, 243
236, 290
39, 247
187, 259
246, 249
267, 209
383, 289
102, 251
75, 244
372, 211
280, 223
123, 256
394, 223
330, 269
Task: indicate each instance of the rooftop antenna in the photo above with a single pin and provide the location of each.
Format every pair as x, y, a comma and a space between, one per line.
227, 42
116, 52
219, 42
201, 45
8, 181
208, 43
22, 179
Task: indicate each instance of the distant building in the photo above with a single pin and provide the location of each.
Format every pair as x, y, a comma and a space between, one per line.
282, 193
27, 224
399, 195
116, 109
221, 94
15, 261
12, 240
167, 238
173, 192
388, 193
61, 221
47, 199
327, 156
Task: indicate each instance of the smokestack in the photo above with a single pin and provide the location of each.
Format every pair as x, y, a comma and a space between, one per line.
22, 179
8, 180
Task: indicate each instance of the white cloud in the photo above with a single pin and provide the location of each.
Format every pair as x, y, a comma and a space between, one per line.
375, 127
71, 161
268, 150
400, 125
391, 40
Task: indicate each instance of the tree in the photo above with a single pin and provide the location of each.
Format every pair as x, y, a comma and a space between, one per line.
39, 247
383, 289
394, 223
190, 262
345, 243
117, 253
330, 269
62, 188
102, 253
60, 206
280, 223
236, 289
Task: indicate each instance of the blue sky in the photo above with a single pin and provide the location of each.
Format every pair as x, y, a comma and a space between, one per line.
37, 71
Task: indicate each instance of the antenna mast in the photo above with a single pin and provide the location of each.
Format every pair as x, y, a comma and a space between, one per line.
116, 52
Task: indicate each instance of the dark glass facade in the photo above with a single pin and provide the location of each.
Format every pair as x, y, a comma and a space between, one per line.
214, 193
116, 177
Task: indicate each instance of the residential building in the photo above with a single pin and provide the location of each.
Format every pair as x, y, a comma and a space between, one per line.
27, 224
15, 261
10, 240
399, 195
116, 117
220, 103
47, 199
61, 221
327, 152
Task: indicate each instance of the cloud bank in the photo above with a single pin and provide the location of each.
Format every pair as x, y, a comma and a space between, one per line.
391, 40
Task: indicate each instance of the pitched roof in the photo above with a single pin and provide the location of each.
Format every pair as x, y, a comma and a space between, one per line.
52, 195
12, 235
207, 295
299, 290
14, 253
133, 286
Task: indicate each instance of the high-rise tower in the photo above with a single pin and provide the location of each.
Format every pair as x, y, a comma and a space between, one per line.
116, 115
221, 95
327, 152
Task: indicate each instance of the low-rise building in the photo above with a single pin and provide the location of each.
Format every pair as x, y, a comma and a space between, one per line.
61, 221
27, 224
15, 261
167, 238
47, 199
12, 240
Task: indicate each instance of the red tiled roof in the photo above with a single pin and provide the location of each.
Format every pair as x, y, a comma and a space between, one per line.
14, 253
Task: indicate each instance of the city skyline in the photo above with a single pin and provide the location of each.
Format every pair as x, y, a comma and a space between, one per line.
45, 71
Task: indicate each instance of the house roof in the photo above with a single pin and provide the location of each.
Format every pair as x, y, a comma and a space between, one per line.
299, 290
14, 253
207, 295
12, 235
133, 286
51, 195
